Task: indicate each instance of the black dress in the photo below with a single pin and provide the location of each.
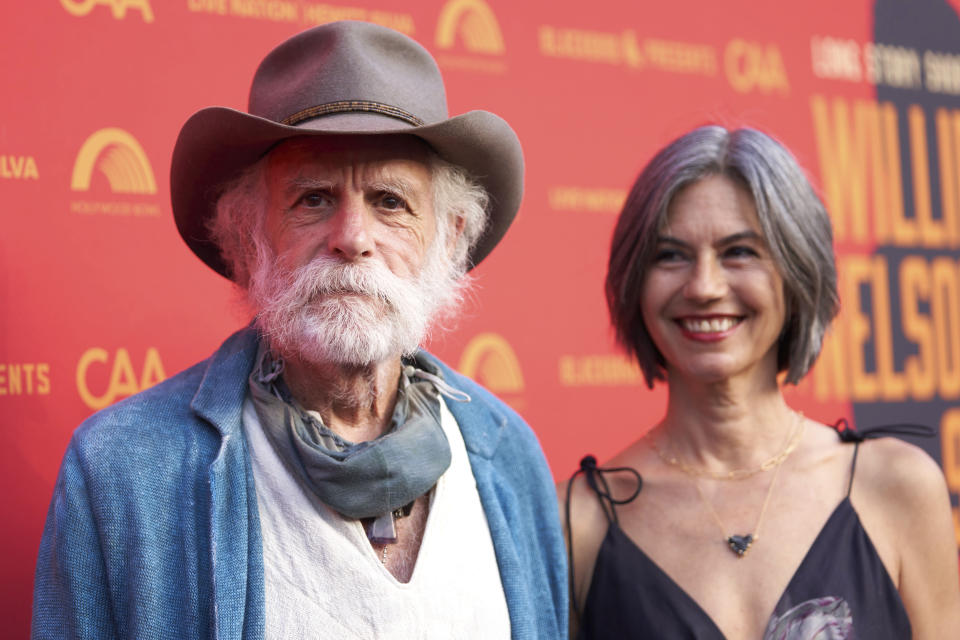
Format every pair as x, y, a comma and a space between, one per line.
840, 590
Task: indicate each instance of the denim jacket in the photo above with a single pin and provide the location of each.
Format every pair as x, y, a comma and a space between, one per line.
153, 529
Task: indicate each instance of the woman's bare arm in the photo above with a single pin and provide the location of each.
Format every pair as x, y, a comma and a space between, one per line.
906, 510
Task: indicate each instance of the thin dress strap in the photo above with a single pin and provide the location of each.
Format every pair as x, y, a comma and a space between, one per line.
853, 467
595, 478
848, 433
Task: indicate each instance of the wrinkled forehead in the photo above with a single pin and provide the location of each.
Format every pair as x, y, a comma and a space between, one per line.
340, 151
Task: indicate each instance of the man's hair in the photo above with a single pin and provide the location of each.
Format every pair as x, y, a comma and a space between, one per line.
794, 222
457, 195
237, 225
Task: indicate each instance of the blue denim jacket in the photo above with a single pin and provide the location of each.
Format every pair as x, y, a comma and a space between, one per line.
153, 529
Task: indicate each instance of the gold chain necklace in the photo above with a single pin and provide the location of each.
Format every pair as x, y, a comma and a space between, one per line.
739, 544
733, 474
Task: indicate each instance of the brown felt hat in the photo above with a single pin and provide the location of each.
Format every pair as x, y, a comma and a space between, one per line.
340, 78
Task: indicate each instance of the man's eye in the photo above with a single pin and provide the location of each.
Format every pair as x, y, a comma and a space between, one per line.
392, 202
314, 199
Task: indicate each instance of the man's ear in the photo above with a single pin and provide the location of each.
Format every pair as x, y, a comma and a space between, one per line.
458, 226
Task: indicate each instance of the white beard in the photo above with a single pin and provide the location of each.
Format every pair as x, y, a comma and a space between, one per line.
351, 313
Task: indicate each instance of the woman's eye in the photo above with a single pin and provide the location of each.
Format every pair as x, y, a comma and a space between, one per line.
741, 252
667, 255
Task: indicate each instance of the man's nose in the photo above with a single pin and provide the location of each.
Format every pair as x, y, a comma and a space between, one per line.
349, 235
708, 280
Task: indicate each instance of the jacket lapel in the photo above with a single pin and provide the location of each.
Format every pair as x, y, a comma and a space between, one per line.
234, 524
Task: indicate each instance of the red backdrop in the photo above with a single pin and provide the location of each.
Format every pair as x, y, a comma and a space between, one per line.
99, 297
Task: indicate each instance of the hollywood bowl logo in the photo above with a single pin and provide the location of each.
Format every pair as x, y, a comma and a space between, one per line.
119, 157
490, 360
476, 24
472, 23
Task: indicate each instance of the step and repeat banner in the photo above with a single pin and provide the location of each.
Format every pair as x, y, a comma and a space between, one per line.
99, 298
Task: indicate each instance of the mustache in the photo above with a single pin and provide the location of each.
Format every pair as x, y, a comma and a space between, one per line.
324, 276
383, 313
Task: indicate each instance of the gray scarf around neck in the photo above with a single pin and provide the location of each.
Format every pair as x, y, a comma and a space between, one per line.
366, 479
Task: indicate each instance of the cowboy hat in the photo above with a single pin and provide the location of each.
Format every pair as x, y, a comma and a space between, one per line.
344, 77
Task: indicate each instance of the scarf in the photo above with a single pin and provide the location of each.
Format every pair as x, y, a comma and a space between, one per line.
373, 479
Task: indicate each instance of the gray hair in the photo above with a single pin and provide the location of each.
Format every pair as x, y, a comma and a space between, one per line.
237, 224
794, 222
457, 195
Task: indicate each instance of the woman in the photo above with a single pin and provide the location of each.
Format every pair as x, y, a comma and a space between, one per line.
751, 521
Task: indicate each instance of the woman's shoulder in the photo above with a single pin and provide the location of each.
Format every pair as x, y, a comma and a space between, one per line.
622, 474
901, 497
903, 501
886, 468
899, 473
586, 514
619, 477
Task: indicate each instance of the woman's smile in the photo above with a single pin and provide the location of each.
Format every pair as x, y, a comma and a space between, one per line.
709, 328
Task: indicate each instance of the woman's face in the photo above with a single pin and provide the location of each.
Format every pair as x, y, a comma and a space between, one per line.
713, 298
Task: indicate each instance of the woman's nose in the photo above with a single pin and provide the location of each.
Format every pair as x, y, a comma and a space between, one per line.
708, 280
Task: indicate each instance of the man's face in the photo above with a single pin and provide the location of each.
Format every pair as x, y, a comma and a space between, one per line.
351, 198
351, 270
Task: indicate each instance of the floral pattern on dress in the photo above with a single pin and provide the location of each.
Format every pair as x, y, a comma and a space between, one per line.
826, 618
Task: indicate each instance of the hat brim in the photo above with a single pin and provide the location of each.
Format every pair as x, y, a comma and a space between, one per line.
217, 143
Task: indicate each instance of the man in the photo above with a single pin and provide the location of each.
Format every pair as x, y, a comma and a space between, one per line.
319, 476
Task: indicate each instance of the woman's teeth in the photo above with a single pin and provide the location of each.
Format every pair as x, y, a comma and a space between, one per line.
711, 325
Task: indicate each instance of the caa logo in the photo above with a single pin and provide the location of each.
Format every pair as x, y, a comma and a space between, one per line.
120, 158
117, 7
123, 380
750, 66
476, 24
489, 360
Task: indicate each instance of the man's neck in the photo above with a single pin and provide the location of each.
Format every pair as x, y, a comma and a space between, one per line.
356, 402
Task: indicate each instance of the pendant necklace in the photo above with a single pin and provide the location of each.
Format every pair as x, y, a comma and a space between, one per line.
739, 544
386, 535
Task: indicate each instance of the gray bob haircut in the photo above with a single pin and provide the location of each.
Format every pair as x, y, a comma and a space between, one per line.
794, 222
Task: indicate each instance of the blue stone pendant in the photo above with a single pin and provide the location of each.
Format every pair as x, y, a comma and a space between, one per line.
383, 530
740, 544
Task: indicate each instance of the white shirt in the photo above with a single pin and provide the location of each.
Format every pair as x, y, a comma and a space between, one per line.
322, 579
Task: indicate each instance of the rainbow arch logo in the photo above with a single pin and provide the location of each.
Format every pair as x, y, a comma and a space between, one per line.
476, 24
119, 157
490, 360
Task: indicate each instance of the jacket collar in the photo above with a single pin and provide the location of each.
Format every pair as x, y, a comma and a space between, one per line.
219, 398
481, 421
